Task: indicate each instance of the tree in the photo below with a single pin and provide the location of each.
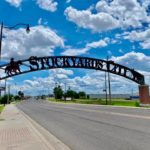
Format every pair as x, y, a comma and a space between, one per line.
72, 94
82, 94
21, 94
6, 99
17, 97
58, 92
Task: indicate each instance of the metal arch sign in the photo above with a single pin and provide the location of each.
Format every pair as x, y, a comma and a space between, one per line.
50, 62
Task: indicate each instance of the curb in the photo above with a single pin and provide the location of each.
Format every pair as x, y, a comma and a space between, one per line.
50, 140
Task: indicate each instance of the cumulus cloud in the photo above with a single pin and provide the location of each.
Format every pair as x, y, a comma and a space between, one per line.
110, 15
91, 82
15, 3
41, 41
130, 13
138, 61
49, 5
140, 36
80, 51
56, 76
97, 44
96, 22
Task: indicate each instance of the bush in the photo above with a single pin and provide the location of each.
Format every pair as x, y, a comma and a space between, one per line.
137, 104
17, 97
4, 99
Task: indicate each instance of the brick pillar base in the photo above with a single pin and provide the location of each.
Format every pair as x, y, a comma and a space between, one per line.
144, 94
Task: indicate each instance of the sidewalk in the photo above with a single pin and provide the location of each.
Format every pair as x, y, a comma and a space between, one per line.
18, 133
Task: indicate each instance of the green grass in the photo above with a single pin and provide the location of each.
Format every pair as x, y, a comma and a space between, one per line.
115, 102
126, 103
1, 108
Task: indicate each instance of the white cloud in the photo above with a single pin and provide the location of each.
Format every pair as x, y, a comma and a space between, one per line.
138, 35
97, 44
39, 85
62, 71
49, 5
110, 15
80, 51
41, 41
96, 22
40, 21
130, 13
91, 82
145, 3
15, 3
121, 51
138, 61
142, 36
68, 1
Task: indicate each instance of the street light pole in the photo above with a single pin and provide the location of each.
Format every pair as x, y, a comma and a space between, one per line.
11, 27
1, 36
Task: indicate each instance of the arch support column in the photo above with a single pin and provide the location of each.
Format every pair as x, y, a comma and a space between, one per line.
144, 95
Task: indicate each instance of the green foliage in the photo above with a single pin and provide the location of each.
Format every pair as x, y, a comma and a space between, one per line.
6, 98
21, 94
82, 94
76, 95
137, 104
58, 92
72, 94
17, 97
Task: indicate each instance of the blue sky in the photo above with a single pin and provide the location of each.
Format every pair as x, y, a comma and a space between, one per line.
94, 28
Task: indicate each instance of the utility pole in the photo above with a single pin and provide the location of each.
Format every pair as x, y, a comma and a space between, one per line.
106, 87
56, 91
65, 91
5, 86
109, 84
8, 97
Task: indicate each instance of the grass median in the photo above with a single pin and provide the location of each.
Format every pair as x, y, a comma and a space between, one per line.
114, 102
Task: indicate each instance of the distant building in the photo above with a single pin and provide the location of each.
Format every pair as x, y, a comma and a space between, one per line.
114, 96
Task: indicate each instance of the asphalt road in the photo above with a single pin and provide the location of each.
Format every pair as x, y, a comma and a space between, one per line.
88, 127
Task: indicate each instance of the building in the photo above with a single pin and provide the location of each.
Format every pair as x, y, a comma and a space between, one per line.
114, 96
